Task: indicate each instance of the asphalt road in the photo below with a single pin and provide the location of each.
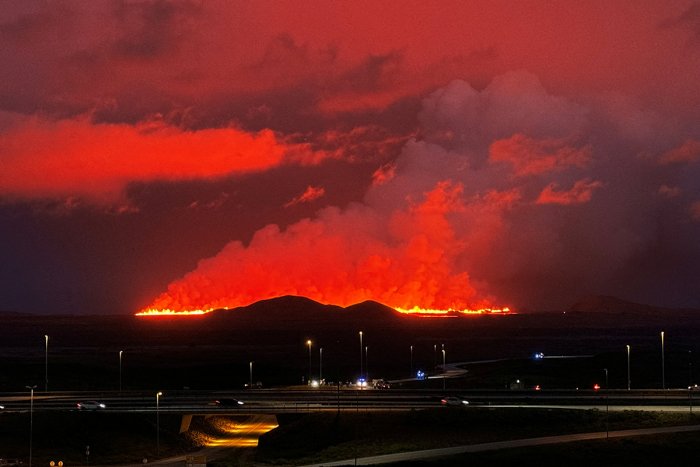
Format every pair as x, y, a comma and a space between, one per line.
275, 401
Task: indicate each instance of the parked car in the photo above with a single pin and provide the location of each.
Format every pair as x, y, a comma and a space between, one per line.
91, 405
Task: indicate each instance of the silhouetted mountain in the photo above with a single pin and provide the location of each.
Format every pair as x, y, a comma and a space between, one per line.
287, 304
300, 312
370, 308
608, 304
13, 313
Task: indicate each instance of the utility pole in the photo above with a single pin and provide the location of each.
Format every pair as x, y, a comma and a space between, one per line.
629, 384
663, 368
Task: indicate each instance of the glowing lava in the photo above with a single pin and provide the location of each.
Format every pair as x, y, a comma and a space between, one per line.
169, 312
450, 312
416, 311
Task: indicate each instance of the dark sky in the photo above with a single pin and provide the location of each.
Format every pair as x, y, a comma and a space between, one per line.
453, 154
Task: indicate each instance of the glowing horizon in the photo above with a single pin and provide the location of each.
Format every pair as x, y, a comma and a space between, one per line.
416, 310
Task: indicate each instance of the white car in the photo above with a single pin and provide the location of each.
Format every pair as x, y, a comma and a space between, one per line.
91, 405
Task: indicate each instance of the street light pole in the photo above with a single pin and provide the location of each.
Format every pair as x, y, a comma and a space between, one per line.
158, 394
606, 378
309, 344
411, 373
250, 381
120, 370
361, 355
31, 420
663, 369
629, 385
434, 356
607, 405
690, 368
320, 365
366, 363
46, 364
443, 369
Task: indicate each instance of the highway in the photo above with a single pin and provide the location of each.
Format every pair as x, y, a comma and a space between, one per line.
275, 401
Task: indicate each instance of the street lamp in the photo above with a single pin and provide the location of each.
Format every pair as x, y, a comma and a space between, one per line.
443, 369
250, 386
690, 382
607, 405
309, 344
663, 370
158, 394
628, 368
690, 368
320, 365
606, 378
46, 364
366, 364
31, 420
120, 370
411, 374
360, 354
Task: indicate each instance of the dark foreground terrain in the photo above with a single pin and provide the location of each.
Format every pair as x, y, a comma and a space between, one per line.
582, 346
214, 351
116, 439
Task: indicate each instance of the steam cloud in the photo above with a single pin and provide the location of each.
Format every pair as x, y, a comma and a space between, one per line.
507, 190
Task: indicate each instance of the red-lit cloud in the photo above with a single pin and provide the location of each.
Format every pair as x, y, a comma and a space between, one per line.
530, 157
581, 192
77, 158
383, 174
695, 211
687, 152
310, 194
669, 191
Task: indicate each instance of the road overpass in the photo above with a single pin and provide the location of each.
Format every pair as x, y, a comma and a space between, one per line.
277, 401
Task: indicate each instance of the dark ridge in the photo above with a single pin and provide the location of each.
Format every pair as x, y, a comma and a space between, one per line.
300, 313
14, 313
287, 304
370, 308
608, 304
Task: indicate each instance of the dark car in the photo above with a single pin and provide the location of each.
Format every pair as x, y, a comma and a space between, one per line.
228, 402
91, 405
454, 400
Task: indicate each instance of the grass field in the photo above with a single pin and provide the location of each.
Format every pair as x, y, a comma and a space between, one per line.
316, 437
321, 437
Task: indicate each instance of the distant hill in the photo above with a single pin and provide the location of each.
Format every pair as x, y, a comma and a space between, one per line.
285, 305
13, 313
608, 304
294, 311
370, 307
